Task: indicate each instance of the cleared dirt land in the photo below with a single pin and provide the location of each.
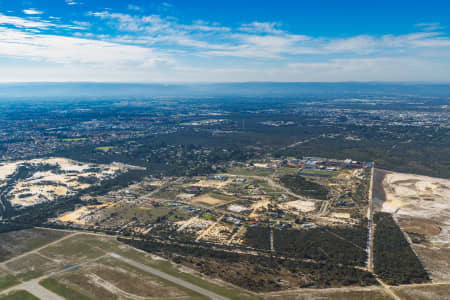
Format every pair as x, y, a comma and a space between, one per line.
372, 293
426, 292
421, 207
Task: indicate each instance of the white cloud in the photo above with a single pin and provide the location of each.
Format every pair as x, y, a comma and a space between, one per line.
430, 26
76, 51
24, 23
32, 11
362, 44
200, 25
158, 48
262, 27
134, 7
70, 2
82, 24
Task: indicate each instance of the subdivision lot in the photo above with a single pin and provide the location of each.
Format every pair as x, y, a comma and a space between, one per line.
18, 242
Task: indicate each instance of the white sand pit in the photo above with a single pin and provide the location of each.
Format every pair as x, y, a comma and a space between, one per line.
416, 195
7, 169
52, 178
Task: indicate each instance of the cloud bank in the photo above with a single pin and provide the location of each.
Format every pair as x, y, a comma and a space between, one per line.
138, 47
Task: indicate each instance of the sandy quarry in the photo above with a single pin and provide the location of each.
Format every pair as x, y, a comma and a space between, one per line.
45, 186
79, 216
421, 205
7, 169
300, 205
418, 196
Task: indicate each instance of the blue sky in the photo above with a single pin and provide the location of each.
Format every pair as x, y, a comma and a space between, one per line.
223, 41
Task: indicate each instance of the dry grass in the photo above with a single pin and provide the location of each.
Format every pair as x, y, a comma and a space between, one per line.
429, 292
333, 294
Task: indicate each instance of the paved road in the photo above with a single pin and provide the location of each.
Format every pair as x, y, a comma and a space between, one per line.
169, 277
34, 288
42, 293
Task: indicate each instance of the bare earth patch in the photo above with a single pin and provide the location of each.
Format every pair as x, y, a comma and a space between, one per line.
303, 206
207, 199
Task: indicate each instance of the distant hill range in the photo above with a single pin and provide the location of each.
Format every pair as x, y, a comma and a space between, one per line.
248, 89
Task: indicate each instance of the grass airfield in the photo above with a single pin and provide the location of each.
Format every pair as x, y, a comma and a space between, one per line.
78, 265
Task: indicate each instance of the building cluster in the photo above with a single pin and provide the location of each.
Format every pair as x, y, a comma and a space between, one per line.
309, 163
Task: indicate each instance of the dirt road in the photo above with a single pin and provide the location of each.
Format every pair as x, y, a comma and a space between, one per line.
370, 225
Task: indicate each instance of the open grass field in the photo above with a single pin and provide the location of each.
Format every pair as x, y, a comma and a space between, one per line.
72, 251
32, 266
7, 280
211, 199
18, 295
62, 289
250, 172
74, 140
143, 215
19, 242
106, 148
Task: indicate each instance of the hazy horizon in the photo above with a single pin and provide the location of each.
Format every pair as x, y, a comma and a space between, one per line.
90, 90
